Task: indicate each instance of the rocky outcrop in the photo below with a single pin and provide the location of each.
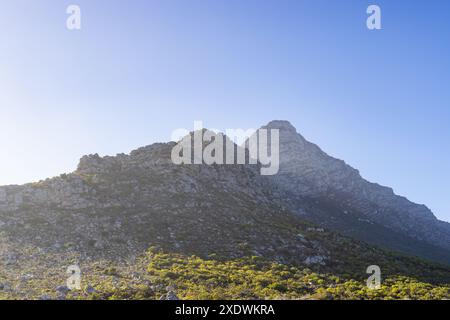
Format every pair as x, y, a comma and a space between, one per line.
118, 206
329, 191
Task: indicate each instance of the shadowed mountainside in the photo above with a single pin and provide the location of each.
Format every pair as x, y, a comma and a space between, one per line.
329, 192
108, 212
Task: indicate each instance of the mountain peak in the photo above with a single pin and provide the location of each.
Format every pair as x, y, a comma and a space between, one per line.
281, 125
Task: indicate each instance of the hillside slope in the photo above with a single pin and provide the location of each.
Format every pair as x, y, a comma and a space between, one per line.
329, 192
107, 214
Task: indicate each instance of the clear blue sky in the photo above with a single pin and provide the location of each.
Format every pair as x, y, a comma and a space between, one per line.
137, 70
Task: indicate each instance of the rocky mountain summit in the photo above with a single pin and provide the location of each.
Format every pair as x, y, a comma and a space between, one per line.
112, 196
331, 193
114, 208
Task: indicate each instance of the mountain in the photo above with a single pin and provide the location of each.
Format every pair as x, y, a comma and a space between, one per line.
141, 227
332, 194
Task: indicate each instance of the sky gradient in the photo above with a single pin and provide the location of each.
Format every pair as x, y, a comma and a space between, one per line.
140, 69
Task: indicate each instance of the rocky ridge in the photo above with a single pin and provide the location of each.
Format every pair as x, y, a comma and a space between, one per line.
333, 194
114, 208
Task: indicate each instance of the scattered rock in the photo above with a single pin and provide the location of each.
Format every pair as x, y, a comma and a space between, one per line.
90, 290
320, 260
63, 290
171, 296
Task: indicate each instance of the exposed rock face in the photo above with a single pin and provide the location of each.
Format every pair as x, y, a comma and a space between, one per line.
315, 260
116, 207
119, 206
332, 193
